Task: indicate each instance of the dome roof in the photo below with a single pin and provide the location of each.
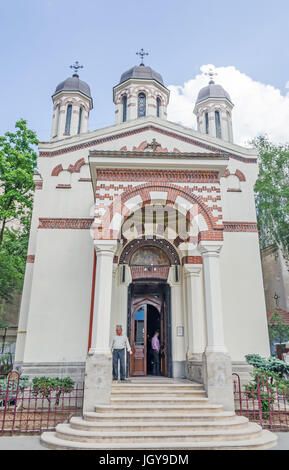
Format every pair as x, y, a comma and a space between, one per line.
73, 84
141, 72
212, 91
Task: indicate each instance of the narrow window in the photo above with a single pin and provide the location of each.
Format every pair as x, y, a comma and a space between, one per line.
218, 124
207, 122
79, 120
124, 108
57, 120
141, 105
158, 107
68, 119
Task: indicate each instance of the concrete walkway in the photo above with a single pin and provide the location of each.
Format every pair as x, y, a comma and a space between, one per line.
33, 442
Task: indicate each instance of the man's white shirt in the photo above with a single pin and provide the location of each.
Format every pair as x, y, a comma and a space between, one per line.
120, 342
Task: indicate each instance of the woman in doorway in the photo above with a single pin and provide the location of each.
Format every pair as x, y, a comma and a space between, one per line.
156, 353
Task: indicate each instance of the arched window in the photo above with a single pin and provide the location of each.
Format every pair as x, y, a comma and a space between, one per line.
79, 120
207, 122
141, 105
158, 107
218, 124
68, 119
124, 108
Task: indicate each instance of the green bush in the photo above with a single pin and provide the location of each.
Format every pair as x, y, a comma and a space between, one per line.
45, 386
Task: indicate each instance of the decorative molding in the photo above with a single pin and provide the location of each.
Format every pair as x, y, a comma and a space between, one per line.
121, 135
137, 243
149, 272
56, 170
38, 185
63, 186
65, 223
237, 173
240, 227
30, 258
188, 176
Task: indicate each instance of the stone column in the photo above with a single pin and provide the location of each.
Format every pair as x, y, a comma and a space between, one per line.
98, 373
217, 366
194, 310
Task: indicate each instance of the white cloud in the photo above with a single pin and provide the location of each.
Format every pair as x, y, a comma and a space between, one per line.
259, 109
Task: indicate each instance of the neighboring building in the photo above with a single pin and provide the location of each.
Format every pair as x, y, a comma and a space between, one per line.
276, 278
147, 224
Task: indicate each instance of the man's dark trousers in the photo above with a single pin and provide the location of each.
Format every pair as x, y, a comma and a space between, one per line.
118, 354
156, 365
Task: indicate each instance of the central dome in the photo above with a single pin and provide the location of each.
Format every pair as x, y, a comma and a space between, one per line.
141, 72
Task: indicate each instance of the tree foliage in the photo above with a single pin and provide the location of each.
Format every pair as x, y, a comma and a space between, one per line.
272, 194
17, 165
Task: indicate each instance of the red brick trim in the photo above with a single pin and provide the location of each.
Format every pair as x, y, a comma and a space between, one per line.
149, 272
63, 186
58, 223
240, 227
237, 173
30, 258
189, 176
192, 260
56, 170
121, 135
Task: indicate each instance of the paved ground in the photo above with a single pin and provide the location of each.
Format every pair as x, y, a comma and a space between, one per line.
33, 442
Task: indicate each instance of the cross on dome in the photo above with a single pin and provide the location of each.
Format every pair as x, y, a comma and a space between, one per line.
211, 74
142, 53
76, 67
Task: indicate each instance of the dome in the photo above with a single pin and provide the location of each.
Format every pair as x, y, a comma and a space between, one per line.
212, 91
141, 72
73, 84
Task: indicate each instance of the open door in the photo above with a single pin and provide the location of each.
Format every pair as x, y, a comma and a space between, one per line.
138, 338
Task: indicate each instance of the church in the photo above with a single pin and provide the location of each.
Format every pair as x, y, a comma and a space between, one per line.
147, 224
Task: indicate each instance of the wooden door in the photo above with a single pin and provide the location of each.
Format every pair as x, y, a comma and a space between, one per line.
138, 365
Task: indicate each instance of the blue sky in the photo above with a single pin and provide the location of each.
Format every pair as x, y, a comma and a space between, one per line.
41, 38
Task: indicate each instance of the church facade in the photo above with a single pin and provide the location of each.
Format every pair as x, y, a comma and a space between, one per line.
147, 224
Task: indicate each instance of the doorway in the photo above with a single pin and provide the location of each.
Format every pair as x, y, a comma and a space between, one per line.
148, 312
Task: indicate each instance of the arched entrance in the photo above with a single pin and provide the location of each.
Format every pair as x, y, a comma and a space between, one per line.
149, 308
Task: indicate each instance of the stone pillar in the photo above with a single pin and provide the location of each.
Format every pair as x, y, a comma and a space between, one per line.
217, 366
98, 372
195, 318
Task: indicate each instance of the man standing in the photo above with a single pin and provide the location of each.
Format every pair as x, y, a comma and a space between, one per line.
118, 345
156, 353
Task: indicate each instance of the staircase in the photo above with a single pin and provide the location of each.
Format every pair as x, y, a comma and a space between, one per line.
159, 413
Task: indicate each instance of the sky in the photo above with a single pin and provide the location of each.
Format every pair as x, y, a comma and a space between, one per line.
246, 41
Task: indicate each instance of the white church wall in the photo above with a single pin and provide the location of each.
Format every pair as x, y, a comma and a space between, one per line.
58, 322
245, 322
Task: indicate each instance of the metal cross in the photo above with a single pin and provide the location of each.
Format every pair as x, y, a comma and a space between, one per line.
76, 67
153, 145
142, 53
211, 74
276, 297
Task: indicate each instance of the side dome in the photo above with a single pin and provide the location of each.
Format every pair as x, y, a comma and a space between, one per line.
213, 91
73, 84
141, 72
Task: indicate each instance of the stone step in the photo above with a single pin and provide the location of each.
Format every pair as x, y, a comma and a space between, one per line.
119, 425
66, 432
153, 393
156, 386
163, 408
158, 417
156, 401
265, 440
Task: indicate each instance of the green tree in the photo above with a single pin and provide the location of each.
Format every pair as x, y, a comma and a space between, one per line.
272, 194
17, 163
278, 330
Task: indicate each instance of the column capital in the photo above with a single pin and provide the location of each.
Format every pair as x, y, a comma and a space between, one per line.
107, 247
210, 247
192, 269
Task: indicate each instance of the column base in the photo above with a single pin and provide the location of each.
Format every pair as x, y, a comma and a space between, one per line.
217, 376
98, 379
